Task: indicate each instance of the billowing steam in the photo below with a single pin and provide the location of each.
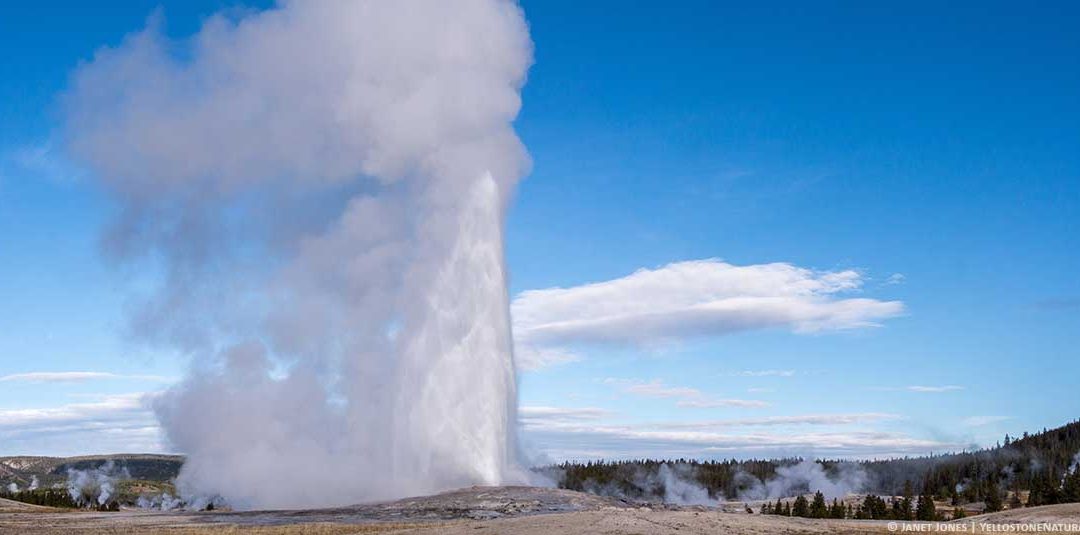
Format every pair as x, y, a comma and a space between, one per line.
680, 486
806, 477
672, 483
163, 502
96, 486
320, 188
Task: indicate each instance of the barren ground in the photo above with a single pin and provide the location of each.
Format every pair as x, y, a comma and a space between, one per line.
475, 511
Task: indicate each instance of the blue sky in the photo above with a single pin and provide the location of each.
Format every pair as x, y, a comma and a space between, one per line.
932, 151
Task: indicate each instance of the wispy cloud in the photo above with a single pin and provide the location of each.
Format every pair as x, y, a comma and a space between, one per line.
700, 298
802, 419
75, 377
532, 358
918, 388
41, 160
716, 403
945, 388
895, 278
654, 389
761, 373
534, 413
109, 408
564, 440
979, 421
110, 424
687, 397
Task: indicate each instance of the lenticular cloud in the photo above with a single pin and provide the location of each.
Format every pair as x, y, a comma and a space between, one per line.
319, 191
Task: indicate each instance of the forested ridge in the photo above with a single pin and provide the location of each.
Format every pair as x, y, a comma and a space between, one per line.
1033, 469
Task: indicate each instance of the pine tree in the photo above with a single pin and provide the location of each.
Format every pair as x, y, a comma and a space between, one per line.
993, 498
818, 508
837, 510
925, 508
1070, 487
801, 507
787, 509
906, 502
872, 508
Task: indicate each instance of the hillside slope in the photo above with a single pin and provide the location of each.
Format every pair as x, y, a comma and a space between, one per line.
21, 470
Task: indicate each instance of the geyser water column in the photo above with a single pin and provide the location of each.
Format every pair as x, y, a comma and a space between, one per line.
457, 390
316, 194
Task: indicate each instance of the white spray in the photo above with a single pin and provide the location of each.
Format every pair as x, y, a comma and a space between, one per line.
319, 190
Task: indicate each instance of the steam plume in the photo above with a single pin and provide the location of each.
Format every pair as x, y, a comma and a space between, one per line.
94, 487
320, 189
805, 477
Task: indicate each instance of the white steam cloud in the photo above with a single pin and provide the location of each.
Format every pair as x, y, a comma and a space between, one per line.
671, 483
96, 486
163, 502
680, 487
320, 188
806, 477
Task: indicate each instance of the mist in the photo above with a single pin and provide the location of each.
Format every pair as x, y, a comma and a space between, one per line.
806, 477
95, 486
317, 194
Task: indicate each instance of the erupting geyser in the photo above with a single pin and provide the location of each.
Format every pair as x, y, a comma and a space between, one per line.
319, 191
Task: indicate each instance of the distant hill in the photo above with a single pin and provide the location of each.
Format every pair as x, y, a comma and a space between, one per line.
21, 470
1043, 468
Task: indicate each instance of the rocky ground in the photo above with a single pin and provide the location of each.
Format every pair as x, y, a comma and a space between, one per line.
477, 510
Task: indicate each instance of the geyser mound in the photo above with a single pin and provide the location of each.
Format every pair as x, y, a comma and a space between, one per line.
319, 191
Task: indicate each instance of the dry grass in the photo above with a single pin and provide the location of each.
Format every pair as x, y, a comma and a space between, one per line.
607, 521
292, 529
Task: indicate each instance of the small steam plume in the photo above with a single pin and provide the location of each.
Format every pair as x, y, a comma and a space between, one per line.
34, 483
671, 483
96, 486
319, 191
680, 488
163, 502
805, 477
13, 487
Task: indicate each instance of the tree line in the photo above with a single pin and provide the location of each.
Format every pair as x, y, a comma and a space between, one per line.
54, 498
1044, 466
873, 507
